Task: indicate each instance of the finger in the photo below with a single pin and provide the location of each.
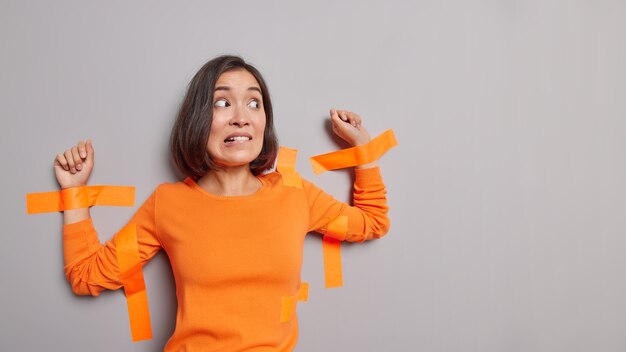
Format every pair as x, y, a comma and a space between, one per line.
78, 161
344, 116
340, 127
90, 152
70, 161
357, 119
354, 119
334, 117
349, 118
60, 160
82, 150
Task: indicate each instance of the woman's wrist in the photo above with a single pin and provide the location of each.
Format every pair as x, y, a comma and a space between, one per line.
71, 186
75, 215
361, 142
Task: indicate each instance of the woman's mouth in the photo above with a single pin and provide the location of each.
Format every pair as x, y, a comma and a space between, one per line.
237, 139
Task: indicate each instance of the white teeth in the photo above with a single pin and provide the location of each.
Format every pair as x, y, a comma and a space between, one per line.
238, 138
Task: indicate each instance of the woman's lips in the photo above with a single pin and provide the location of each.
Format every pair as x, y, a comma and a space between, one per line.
237, 139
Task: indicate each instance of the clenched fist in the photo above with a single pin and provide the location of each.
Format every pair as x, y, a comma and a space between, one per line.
73, 167
347, 125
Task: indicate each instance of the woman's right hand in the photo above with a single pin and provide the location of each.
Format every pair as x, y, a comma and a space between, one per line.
73, 167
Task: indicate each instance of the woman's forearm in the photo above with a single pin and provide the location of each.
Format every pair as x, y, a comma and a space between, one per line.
75, 215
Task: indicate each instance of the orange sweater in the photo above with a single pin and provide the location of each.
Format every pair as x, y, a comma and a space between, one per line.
233, 258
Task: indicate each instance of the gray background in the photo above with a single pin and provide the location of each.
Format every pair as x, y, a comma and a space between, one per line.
507, 190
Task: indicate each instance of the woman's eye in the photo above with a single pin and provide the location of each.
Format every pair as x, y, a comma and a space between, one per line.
222, 103
254, 104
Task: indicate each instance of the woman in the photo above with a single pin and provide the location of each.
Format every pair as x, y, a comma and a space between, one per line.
232, 231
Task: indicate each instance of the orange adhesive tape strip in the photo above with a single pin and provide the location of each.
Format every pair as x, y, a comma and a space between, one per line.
289, 303
286, 166
80, 197
331, 245
354, 156
131, 275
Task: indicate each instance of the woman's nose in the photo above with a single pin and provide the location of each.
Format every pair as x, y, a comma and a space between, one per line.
239, 118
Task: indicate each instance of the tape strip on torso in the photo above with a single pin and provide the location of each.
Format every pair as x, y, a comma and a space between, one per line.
331, 244
131, 275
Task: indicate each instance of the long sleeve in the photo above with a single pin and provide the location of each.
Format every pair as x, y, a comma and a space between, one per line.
90, 266
367, 218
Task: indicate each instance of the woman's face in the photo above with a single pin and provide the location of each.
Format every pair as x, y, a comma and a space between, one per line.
236, 136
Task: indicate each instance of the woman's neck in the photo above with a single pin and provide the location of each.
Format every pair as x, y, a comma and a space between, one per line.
230, 181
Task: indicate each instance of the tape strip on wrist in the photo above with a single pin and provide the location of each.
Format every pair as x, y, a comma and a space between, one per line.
359, 155
80, 197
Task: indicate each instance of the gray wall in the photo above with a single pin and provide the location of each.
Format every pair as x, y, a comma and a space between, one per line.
506, 191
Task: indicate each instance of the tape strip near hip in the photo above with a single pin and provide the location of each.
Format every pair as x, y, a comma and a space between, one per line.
289, 303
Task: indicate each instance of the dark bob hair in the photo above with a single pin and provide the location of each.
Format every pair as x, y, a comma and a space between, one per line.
190, 133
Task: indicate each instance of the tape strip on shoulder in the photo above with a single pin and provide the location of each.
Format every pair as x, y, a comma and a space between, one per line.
286, 166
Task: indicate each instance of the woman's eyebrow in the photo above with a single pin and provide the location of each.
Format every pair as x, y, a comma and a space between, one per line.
228, 88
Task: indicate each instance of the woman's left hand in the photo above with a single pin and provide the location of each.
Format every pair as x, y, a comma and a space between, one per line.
347, 125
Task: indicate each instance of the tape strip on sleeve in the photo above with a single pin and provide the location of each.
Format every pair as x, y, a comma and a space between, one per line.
331, 245
362, 154
79, 197
289, 303
131, 275
286, 166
